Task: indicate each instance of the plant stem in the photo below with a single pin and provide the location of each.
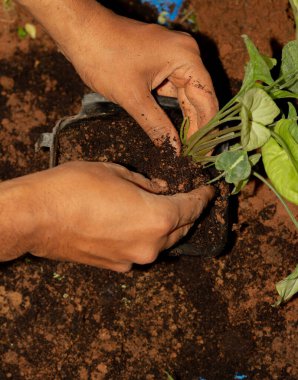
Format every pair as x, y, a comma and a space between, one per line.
195, 138
216, 120
284, 145
287, 77
288, 84
216, 178
202, 153
233, 100
261, 178
213, 143
206, 159
225, 131
235, 107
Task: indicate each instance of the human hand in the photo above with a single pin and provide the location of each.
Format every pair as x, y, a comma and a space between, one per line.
125, 60
131, 59
100, 214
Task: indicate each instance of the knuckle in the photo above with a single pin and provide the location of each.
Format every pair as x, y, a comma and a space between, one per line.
187, 41
165, 224
147, 256
123, 268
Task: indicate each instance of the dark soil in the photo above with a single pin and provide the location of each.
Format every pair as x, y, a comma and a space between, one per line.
116, 137
195, 318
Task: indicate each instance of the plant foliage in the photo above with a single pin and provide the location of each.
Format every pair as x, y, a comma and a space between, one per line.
257, 127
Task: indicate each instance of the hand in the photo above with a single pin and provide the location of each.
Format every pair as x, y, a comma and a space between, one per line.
131, 59
125, 60
98, 214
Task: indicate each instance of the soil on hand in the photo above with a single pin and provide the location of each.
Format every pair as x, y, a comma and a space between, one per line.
192, 317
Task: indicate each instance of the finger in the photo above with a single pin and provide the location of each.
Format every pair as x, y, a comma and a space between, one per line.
200, 93
176, 235
144, 109
190, 205
99, 262
154, 185
90, 257
167, 89
188, 110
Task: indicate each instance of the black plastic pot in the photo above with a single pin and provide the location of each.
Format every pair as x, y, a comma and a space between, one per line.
215, 219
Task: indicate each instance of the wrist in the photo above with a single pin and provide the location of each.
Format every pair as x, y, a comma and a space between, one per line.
17, 219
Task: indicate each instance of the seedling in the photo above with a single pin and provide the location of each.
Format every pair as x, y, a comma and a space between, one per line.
27, 30
256, 124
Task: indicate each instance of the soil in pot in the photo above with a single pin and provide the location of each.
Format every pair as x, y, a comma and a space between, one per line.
115, 137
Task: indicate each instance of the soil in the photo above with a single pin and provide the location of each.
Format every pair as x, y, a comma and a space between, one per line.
192, 317
116, 137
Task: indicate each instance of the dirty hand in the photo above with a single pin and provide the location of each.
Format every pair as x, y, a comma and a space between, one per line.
125, 60
93, 213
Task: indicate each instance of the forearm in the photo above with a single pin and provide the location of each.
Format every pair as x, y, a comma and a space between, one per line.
64, 20
17, 225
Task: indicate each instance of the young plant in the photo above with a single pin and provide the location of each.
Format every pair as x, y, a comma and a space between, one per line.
256, 127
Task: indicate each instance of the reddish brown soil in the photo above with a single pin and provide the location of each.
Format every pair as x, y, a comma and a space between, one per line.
191, 317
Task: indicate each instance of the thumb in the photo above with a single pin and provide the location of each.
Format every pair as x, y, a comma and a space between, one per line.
154, 185
144, 109
190, 205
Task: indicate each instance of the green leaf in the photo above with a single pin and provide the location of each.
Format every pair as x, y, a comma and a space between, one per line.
282, 128
239, 186
258, 110
235, 165
31, 30
260, 106
292, 114
254, 158
289, 62
184, 130
293, 128
288, 287
270, 62
21, 32
280, 170
245, 127
294, 5
258, 67
235, 147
